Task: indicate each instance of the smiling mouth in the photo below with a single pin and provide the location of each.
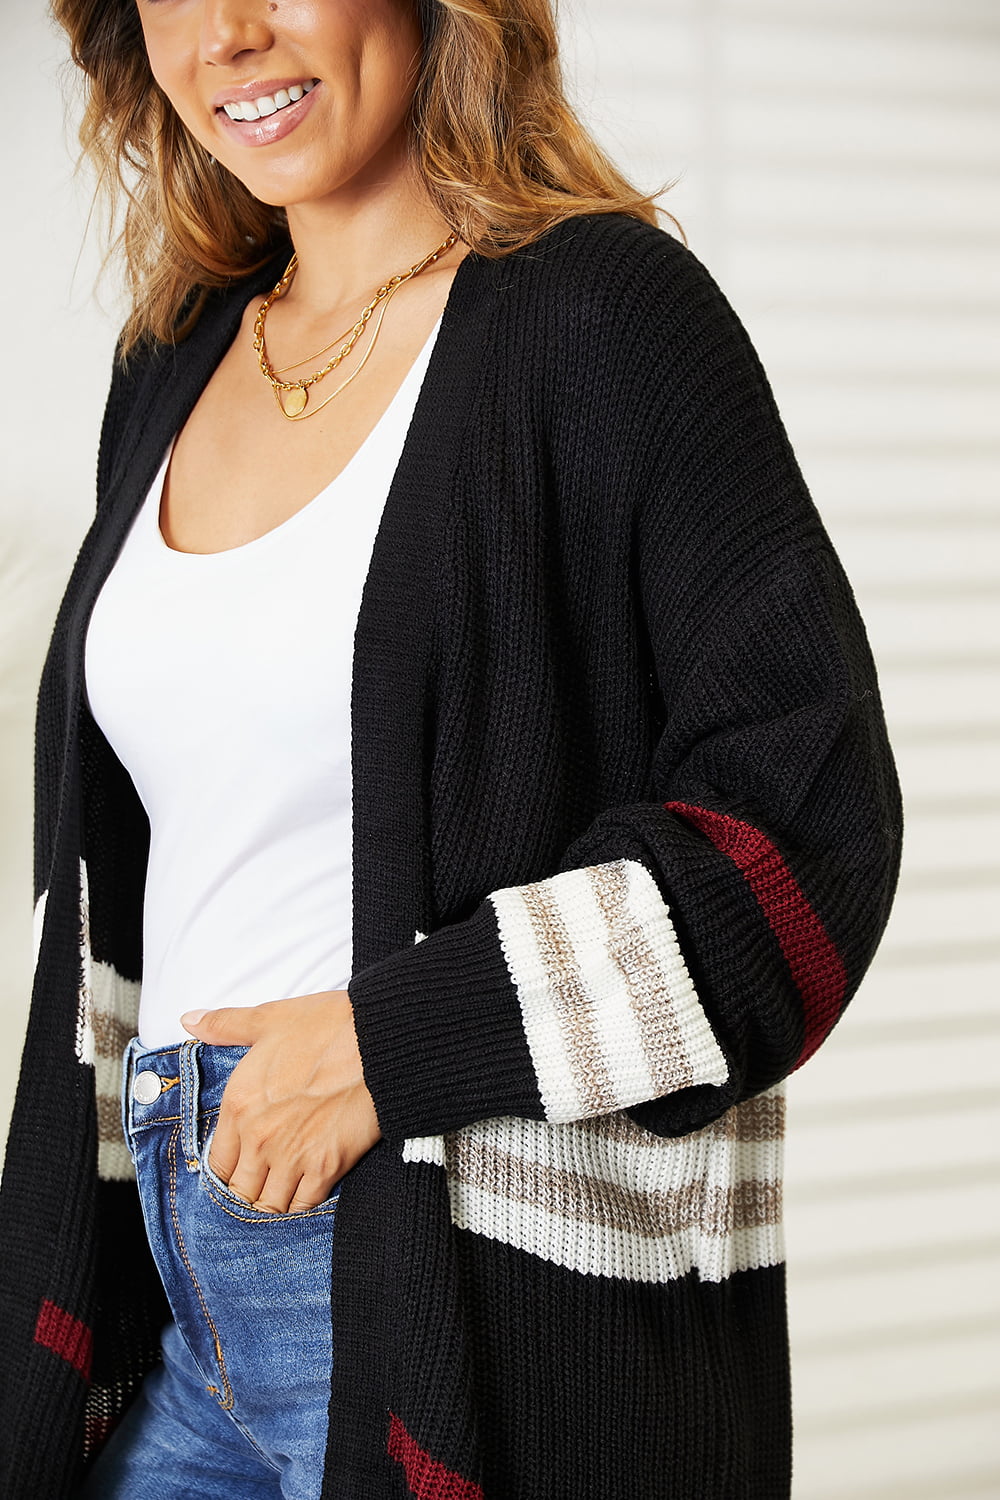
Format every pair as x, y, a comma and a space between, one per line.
269, 104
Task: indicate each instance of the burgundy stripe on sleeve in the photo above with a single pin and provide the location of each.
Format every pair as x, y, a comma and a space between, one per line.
427, 1477
816, 966
66, 1336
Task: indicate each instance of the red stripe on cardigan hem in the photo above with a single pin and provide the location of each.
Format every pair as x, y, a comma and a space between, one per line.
66, 1336
427, 1477
816, 966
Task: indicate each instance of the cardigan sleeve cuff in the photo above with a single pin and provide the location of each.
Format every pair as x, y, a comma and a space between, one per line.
560, 1000
440, 1033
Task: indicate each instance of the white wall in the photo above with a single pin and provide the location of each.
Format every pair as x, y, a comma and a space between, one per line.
838, 162
52, 381
839, 176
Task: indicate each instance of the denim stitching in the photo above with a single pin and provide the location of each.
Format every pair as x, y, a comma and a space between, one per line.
227, 1390
267, 1218
169, 1119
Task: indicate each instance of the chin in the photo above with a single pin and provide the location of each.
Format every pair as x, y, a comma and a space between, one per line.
273, 199
287, 192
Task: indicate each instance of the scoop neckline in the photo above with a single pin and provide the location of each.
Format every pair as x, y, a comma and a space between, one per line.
421, 359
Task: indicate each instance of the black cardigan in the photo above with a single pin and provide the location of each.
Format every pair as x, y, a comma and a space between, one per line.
618, 749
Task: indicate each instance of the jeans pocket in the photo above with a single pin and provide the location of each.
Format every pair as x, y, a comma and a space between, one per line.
239, 1208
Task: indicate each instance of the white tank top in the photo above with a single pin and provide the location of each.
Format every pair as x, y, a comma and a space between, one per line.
201, 670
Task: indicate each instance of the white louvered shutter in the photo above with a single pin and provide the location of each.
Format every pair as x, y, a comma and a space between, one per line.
838, 165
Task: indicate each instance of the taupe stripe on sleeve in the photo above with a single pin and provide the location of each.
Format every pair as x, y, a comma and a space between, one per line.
609, 1009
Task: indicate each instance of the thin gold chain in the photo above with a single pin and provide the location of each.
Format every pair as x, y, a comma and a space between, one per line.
296, 407
312, 411
316, 354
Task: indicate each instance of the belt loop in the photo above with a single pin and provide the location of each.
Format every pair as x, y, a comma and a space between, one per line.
128, 1061
188, 1066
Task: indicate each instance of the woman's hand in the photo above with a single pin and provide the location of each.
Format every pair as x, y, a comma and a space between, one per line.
295, 1114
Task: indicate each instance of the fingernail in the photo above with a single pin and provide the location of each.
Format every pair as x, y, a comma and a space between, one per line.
191, 1018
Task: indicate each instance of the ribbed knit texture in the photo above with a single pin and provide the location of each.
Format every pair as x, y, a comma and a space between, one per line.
618, 752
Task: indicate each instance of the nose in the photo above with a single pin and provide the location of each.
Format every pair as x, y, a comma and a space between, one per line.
231, 29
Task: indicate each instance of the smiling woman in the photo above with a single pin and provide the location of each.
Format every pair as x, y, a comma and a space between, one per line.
355, 65
498, 150
462, 798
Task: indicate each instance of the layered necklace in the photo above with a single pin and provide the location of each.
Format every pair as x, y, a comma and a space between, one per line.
294, 397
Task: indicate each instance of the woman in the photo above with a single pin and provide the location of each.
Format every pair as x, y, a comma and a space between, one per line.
459, 720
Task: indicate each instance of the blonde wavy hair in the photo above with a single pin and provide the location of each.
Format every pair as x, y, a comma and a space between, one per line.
501, 151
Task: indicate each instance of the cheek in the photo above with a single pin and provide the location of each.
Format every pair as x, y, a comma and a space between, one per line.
167, 53
389, 70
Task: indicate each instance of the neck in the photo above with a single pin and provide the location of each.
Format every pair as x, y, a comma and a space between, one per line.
348, 245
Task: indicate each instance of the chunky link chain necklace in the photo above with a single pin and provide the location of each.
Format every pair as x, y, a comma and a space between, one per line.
292, 396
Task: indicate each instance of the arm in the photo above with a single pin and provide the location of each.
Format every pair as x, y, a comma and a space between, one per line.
687, 951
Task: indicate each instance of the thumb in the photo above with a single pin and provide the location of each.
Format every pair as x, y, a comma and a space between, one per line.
230, 1026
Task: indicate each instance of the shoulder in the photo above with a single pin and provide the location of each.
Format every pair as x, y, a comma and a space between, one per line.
221, 308
156, 383
611, 266
626, 294
619, 312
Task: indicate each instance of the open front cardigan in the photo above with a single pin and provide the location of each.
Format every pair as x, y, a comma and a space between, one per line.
626, 832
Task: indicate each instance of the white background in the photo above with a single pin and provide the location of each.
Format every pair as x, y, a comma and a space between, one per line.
838, 173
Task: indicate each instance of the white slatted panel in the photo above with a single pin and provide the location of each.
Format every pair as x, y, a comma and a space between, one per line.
838, 165
52, 387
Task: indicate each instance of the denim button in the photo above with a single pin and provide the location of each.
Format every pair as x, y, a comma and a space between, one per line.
146, 1087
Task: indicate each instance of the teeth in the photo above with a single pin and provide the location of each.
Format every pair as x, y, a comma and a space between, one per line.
259, 109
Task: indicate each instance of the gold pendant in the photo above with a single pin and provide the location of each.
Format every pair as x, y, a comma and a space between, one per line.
293, 402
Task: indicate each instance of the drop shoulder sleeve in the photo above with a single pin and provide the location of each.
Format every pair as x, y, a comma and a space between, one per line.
690, 950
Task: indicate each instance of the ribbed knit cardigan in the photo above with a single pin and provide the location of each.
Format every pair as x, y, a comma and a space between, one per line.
626, 835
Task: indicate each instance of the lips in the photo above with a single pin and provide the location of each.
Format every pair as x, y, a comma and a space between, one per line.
262, 105
257, 114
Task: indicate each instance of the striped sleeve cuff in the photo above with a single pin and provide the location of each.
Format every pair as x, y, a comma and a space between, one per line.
559, 1000
609, 1009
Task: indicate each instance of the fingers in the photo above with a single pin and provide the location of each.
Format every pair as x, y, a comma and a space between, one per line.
278, 1192
224, 1151
274, 1186
295, 1113
230, 1026
277, 1197
247, 1179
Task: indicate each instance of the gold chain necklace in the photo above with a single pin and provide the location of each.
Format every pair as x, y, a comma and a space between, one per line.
292, 396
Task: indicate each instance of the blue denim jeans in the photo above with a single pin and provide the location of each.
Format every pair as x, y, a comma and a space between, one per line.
238, 1408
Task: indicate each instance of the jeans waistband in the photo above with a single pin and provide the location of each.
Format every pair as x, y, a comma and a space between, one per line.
167, 1085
